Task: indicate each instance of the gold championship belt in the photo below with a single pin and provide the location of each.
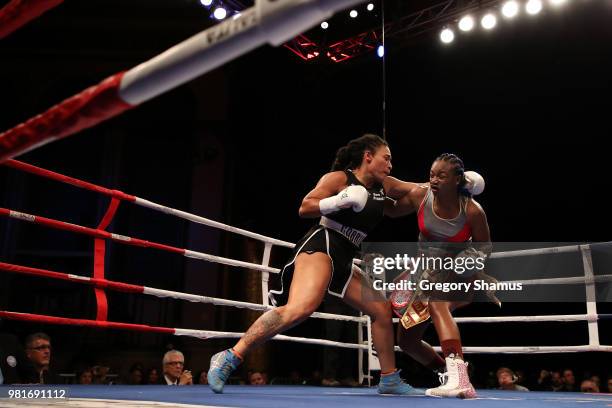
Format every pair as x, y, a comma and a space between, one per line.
417, 312
412, 306
409, 305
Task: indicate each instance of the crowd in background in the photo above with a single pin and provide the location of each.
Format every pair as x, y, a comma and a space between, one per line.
36, 368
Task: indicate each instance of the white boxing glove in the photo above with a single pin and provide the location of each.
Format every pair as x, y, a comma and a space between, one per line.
475, 183
354, 197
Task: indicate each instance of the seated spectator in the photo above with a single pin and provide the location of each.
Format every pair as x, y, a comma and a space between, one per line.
174, 373
589, 386
203, 378
152, 376
135, 375
85, 376
544, 382
100, 375
556, 381
507, 380
610, 384
569, 381
257, 378
38, 354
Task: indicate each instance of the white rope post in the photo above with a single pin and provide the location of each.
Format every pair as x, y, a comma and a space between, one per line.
373, 363
265, 276
591, 301
360, 375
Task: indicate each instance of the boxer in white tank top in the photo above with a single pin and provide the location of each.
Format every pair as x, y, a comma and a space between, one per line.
446, 213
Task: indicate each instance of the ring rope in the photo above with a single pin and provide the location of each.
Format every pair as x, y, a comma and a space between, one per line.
18, 13
97, 233
564, 281
210, 334
536, 251
530, 319
161, 293
529, 349
201, 334
130, 288
38, 171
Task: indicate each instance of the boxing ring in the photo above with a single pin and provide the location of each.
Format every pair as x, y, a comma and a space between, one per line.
266, 396
273, 22
298, 396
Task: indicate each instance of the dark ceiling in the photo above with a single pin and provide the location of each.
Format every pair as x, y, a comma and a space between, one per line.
142, 28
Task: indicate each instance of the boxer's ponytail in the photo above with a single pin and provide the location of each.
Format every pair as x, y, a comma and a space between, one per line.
351, 155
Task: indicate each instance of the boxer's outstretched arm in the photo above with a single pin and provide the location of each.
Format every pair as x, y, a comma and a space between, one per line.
403, 197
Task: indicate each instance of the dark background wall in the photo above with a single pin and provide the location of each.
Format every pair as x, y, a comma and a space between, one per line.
526, 105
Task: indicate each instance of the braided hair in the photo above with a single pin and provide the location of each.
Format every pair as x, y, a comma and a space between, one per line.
459, 170
351, 155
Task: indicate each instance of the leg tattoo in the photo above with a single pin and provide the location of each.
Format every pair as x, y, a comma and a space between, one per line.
267, 326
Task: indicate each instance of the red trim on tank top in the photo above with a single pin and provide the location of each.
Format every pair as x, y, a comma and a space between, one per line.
421, 218
462, 236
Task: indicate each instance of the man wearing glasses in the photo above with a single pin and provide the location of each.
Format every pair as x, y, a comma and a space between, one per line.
174, 362
38, 353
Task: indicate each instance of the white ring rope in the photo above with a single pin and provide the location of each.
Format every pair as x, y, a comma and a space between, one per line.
161, 293
215, 224
524, 319
532, 349
563, 281
227, 261
211, 334
536, 251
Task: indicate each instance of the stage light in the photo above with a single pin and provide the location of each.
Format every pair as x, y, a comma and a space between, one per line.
466, 23
447, 36
533, 7
220, 13
488, 21
510, 9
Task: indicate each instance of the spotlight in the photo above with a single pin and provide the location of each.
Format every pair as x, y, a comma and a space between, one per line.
220, 13
370, 6
466, 23
533, 7
557, 3
447, 36
324, 25
380, 51
488, 21
510, 9
353, 13
206, 3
